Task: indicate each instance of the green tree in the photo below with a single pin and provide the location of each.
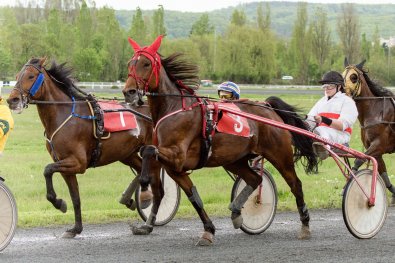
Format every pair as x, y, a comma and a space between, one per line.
300, 45
87, 62
108, 45
320, 38
263, 19
54, 30
202, 26
238, 18
11, 38
158, 23
32, 44
85, 26
5, 63
365, 47
348, 30
246, 55
138, 30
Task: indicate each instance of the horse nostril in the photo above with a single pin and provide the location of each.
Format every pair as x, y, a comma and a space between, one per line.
13, 100
132, 92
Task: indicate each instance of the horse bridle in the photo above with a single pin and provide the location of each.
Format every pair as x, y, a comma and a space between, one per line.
26, 95
357, 90
155, 64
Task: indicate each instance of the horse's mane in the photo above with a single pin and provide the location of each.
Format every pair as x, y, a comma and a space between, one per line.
62, 77
375, 88
179, 69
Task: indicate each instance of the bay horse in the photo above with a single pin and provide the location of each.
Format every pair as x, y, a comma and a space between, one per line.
72, 130
184, 137
376, 108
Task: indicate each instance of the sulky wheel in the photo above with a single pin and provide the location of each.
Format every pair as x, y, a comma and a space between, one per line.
8, 216
258, 214
364, 221
169, 204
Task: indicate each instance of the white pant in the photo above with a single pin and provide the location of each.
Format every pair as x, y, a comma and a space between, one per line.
333, 135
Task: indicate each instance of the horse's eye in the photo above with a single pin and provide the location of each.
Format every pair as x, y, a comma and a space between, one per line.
354, 78
146, 64
31, 77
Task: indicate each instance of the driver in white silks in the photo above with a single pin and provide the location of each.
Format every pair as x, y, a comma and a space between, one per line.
333, 116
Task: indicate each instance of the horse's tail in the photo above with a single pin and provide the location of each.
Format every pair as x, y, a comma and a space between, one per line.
303, 144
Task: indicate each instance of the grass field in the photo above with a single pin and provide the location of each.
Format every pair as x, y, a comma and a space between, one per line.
25, 157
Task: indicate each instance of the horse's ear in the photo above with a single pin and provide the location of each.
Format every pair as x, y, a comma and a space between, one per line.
42, 61
346, 62
360, 65
156, 44
133, 43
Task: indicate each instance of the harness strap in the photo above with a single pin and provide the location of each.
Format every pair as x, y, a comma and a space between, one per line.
154, 135
49, 140
98, 129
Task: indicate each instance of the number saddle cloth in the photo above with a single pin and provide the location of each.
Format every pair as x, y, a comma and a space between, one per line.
231, 123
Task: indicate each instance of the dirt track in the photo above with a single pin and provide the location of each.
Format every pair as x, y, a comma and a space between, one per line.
330, 242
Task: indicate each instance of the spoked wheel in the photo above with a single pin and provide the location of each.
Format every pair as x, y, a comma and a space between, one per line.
8, 216
258, 213
364, 221
169, 204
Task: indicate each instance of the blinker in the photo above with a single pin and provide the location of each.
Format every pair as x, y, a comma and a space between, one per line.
37, 84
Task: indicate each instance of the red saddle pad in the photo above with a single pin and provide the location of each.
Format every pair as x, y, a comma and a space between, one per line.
117, 121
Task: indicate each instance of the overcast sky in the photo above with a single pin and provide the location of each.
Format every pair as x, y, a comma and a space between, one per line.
197, 5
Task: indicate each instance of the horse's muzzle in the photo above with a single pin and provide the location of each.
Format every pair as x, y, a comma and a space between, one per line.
15, 104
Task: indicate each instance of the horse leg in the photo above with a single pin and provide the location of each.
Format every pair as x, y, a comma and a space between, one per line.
135, 165
242, 169
158, 193
126, 198
149, 154
60, 204
72, 183
68, 168
375, 150
357, 163
382, 169
285, 165
184, 181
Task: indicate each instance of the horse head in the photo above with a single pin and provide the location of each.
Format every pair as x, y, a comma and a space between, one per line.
144, 68
353, 77
29, 80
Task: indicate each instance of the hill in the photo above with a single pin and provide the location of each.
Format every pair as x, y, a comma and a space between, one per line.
283, 16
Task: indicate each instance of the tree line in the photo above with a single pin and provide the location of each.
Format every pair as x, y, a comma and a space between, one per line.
93, 43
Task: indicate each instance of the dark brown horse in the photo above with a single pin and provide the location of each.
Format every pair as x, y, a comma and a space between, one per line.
71, 127
184, 138
376, 108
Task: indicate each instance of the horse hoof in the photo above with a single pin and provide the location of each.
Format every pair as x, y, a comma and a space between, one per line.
304, 233
63, 207
206, 239
143, 230
146, 199
131, 204
68, 235
237, 220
